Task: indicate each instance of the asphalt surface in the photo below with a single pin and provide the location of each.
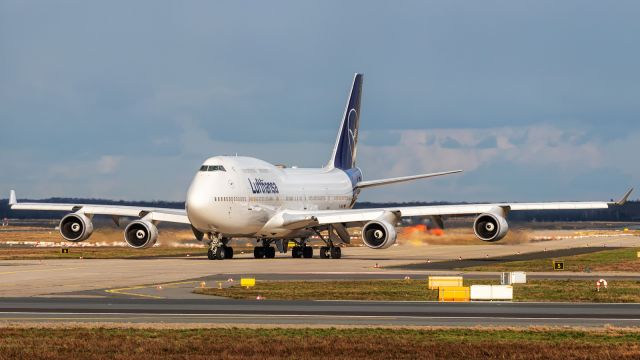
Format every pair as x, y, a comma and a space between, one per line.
367, 313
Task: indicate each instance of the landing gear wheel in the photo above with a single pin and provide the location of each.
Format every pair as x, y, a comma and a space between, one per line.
296, 252
228, 252
258, 252
211, 254
324, 252
270, 252
307, 252
336, 252
220, 253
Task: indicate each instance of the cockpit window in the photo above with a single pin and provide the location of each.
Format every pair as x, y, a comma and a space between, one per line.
212, 168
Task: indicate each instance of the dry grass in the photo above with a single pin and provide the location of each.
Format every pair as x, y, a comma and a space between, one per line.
623, 260
233, 343
416, 290
98, 253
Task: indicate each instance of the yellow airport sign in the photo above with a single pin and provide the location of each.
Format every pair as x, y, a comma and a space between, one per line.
453, 293
558, 265
435, 282
247, 282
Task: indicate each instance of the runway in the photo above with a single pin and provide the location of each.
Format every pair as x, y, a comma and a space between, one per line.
21, 278
318, 313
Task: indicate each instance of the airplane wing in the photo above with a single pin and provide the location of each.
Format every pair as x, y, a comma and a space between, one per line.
357, 216
116, 211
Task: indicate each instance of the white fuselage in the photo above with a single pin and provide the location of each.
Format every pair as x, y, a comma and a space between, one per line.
236, 196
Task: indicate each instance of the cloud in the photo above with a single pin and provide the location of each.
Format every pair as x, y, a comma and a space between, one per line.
107, 164
525, 163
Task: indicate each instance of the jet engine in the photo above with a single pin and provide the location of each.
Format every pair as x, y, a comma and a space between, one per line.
378, 234
490, 227
76, 227
141, 234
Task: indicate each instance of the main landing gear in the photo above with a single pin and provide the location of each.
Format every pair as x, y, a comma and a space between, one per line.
218, 249
265, 250
330, 252
301, 250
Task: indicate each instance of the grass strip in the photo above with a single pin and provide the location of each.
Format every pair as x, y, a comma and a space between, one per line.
363, 343
96, 253
623, 291
625, 259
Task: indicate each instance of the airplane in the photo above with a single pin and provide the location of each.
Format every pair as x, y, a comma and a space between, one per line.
245, 197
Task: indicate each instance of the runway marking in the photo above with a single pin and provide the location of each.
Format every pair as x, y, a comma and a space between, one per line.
125, 290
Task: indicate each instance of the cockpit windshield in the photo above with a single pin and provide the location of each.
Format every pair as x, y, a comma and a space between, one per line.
212, 168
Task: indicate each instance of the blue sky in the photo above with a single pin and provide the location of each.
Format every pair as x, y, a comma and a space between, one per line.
535, 100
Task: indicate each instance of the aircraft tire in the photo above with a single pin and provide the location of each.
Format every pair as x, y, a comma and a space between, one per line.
270, 252
324, 252
228, 252
296, 252
336, 253
211, 255
258, 252
221, 253
307, 252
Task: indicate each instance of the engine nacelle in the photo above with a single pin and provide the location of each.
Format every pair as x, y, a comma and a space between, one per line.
140, 234
76, 227
490, 227
379, 234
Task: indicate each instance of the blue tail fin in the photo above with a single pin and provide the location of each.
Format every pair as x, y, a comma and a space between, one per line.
344, 151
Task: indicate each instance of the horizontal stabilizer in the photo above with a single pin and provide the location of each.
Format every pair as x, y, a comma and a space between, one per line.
371, 183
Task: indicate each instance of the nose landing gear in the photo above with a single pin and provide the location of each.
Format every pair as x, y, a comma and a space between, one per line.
218, 249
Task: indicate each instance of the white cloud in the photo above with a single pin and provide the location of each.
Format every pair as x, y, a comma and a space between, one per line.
107, 164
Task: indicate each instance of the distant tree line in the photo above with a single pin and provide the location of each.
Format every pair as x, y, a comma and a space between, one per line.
628, 212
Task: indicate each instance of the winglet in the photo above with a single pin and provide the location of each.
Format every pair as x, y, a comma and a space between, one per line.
12, 198
623, 200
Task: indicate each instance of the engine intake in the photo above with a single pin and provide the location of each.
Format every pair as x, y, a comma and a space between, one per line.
378, 234
76, 227
140, 234
490, 227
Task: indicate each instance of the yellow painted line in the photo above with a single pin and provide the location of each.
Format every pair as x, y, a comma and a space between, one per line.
125, 290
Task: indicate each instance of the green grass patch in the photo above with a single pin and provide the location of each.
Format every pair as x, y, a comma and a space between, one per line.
625, 259
416, 290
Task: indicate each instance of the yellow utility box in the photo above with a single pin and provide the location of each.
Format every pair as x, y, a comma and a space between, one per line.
247, 282
638, 254
558, 265
436, 282
453, 293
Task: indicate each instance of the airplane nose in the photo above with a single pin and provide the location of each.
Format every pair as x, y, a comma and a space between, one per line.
197, 206
196, 201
